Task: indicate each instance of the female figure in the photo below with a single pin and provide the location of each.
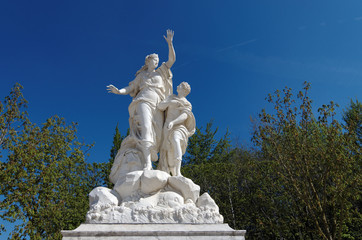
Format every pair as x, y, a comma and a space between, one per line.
151, 86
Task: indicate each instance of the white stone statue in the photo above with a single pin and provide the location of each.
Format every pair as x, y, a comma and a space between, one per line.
160, 123
151, 86
146, 203
179, 126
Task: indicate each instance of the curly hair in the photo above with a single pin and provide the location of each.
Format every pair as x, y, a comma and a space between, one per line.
186, 86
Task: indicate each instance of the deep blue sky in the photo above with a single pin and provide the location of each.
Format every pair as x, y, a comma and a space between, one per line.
233, 53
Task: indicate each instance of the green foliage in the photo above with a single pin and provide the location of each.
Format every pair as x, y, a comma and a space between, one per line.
353, 123
246, 198
209, 165
44, 182
106, 167
314, 162
12, 116
235, 179
203, 147
303, 181
221, 180
353, 119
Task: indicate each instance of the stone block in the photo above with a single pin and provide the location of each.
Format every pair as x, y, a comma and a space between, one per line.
154, 232
103, 196
153, 181
205, 201
129, 184
185, 186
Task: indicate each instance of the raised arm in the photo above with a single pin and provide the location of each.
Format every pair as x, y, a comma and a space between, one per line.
171, 50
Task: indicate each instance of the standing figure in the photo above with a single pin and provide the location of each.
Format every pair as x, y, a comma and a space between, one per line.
151, 86
178, 127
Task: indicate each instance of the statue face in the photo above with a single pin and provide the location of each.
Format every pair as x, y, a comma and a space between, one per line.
182, 92
152, 63
183, 89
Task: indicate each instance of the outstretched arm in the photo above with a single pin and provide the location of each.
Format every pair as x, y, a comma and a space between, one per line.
123, 91
171, 50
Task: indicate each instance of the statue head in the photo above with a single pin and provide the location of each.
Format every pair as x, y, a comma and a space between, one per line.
183, 89
151, 61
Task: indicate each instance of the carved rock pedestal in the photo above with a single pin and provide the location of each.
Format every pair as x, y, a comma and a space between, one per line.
152, 196
151, 204
154, 232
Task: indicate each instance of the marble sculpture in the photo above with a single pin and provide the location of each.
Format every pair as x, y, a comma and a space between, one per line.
160, 125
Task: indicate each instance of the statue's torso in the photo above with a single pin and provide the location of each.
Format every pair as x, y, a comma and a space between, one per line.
151, 87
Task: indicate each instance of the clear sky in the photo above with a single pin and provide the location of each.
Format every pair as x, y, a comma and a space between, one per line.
233, 53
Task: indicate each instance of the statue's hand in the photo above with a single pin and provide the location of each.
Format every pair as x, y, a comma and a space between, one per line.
170, 125
169, 37
112, 89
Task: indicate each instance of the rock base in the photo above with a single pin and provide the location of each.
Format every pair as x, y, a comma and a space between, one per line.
152, 196
154, 232
163, 207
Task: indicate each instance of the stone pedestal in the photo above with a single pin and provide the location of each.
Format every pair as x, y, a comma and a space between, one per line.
154, 232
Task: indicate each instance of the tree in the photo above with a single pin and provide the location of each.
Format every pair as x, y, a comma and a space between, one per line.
207, 163
203, 147
12, 115
222, 180
106, 167
44, 180
233, 178
315, 162
352, 116
246, 198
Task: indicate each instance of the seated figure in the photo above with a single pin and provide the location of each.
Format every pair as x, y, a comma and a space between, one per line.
178, 127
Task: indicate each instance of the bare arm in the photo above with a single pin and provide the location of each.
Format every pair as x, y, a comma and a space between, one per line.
122, 91
167, 103
163, 105
178, 120
171, 50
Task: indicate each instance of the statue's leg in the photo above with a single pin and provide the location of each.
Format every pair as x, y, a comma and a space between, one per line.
146, 150
177, 158
145, 119
178, 167
173, 171
177, 148
144, 112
